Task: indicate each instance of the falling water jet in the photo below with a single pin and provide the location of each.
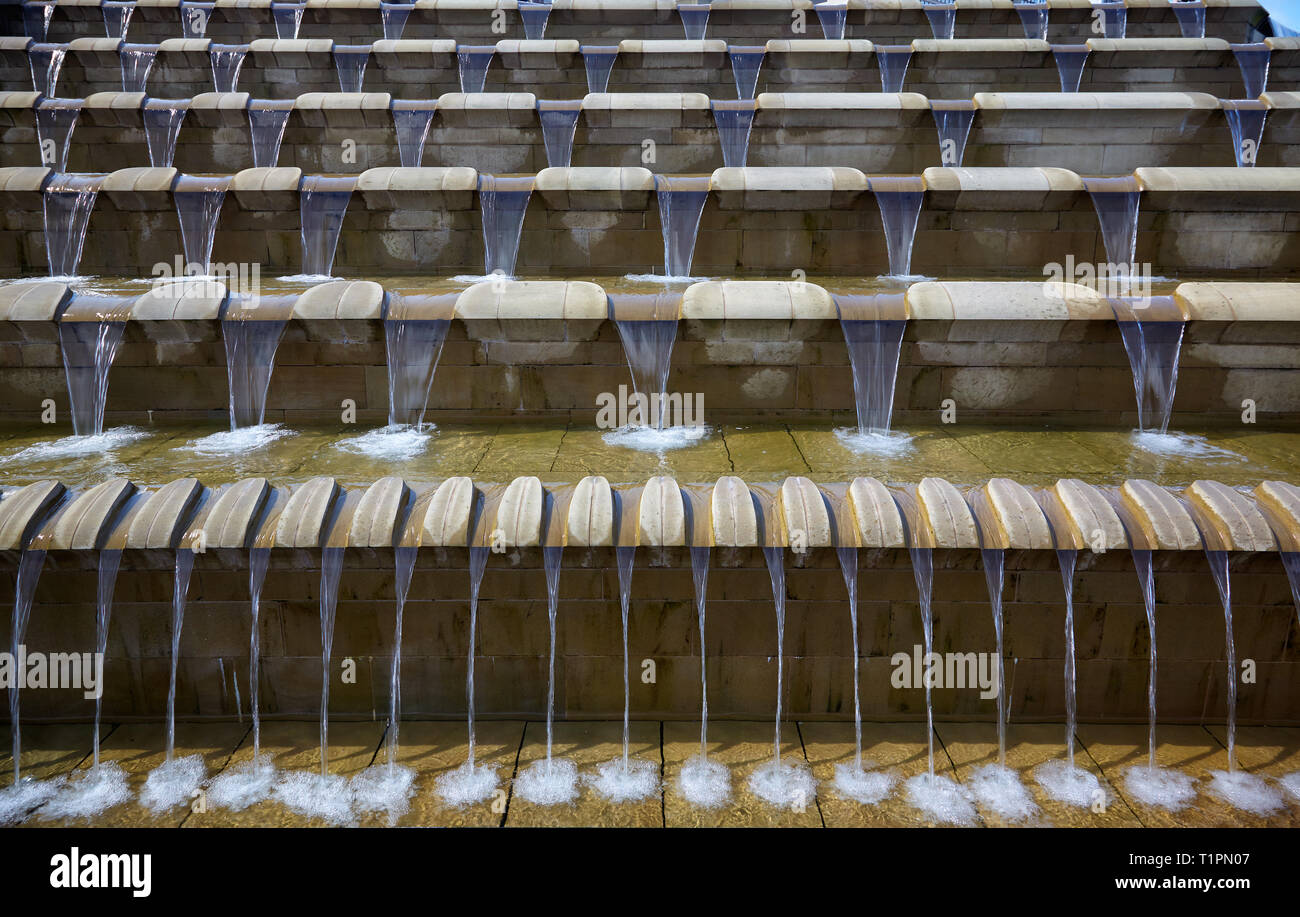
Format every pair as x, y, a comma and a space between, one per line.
953, 121
67, 201
108, 564
137, 61
162, 126
322, 204
350, 66
29, 574
504, 202
938, 796
288, 18
550, 781
703, 782
534, 15
117, 18
833, 16
89, 345
1117, 202
471, 782
942, 16
873, 327
746, 62
1114, 18
695, 19
1070, 61
1033, 18
1291, 563
1152, 785
854, 782
226, 63
598, 60
1191, 17
173, 782
393, 16
1253, 61
559, 120
194, 18
892, 61
681, 204
788, 783
413, 347
267, 119
36, 20
56, 119
1153, 338
473, 62
899, 200
45, 62
198, 207
734, 120
1246, 122
411, 120
625, 779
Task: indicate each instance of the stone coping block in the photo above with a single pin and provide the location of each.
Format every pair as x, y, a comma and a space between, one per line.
1006, 301
304, 520
988, 102
650, 55
519, 514
424, 188
1086, 520
291, 53
33, 300
1229, 521
1000, 188
266, 189
538, 54
595, 188
1219, 189
733, 517
24, 510
815, 53
589, 521
875, 514
341, 299
1156, 520
159, 519
1238, 301
1017, 521
757, 300
445, 519
487, 109
804, 516
645, 109
142, 188
344, 109
230, 519
661, 514
220, 110
1163, 52
532, 310
787, 188
181, 300
1280, 504
85, 521
981, 53
378, 516
945, 520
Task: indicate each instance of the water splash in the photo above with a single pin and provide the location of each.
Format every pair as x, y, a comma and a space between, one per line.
326, 797
24, 796
69, 447
1068, 783
89, 793
997, 788
173, 783
237, 442
246, 784
386, 790
941, 799
1248, 792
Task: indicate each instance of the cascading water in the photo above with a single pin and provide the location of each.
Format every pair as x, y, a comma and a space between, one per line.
56, 119
534, 15
162, 126
746, 63
503, 201
703, 782
1070, 61
67, 201
36, 20
393, 16
106, 580
953, 121
194, 18
288, 18
250, 360
137, 61
1153, 338
267, 120
1033, 18
559, 122
681, 204
1117, 202
89, 348
117, 18
994, 561
942, 16
695, 19
1114, 18
833, 16
322, 204
45, 62
473, 62
873, 327
198, 207
330, 573
413, 347
598, 61
350, 66
1253, 61
1246, 122
1191, 17
411, 121
899, 200
892, 61
226, 62
734, 120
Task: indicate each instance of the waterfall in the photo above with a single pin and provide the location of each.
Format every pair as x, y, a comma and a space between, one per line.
405, 567
552, 556
534, 15
322, 203
625, 555
953, 121
1246, 122
36, 20
258, 561
1070, 60
1152, 343
1147, 582
411, 120
137, 61
250, 359
29, 574
89, 348
106, 580
746, 62
848, 557
923, 574
331, 571
394, 16
1191, 18
1218, 561
56, 119
1033, 18
226, 63
117, 18
1114, 18
1067, 560
194, 18
892, 61
734, 121
288, 18
473, 62
598, 60
45, 62
942, 16
994, 560
1117, 201
67, 201
198, 207
695, 19
899, 200
681, 204
412, 347
181, 587
350, 65
504, 201
873, 333
559, 123
478, 558
833, 16
647, 327
162, 126
267, 120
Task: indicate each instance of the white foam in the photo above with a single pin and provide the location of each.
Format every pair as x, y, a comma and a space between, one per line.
393, 443
638, 780
480, 278
786, 784
306, 278
863, 786
237, 442
89, 793
875, 442
548, 782
308, 793
1070, 784
17, 799
662, 278
75, 446
941, 798
649, 439
1160, 787
468, 784
904, 278
1247, 792
1291, 783
173, 783
1180, 444
240, 787
704, 783
998, 788
384, 789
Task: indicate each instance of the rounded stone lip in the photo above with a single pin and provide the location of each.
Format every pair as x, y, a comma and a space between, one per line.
24, 510
1228, 519
1156, 520
159, 519
85, 522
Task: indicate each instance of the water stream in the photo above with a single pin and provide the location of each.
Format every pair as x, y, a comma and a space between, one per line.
267, 119
162, 127
681, 204
411, 121
323, 204
559, 120
746, 62
226, 60
137, 61
504, 203
1070, 61
598, 60
734, 121
56, 119
88, 349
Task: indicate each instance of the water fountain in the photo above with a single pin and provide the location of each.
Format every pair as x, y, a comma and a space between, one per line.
1253, 61
267, 119
45, 62
534, 15
331, 572
56, 119
695, 19
833, 16
1033, 18
30, 565
1246, 122
953, 121
942, 16
411, 120
198, 207
647, 326
322, 203
1152, 332
137, 61
288, 18
162, 127
393, 16
412, 347
1113, 18
746, 62
1191, 17
226, 63
350, 65
67, 201
1117, 201
473, 62
873, 327
734, 121
36, 20
892, 61
681, 204
106, 580
598, 61
250, 344
504, 201
559, 120
117, 18
1070, 61
899, 200
89, 348
194, 18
